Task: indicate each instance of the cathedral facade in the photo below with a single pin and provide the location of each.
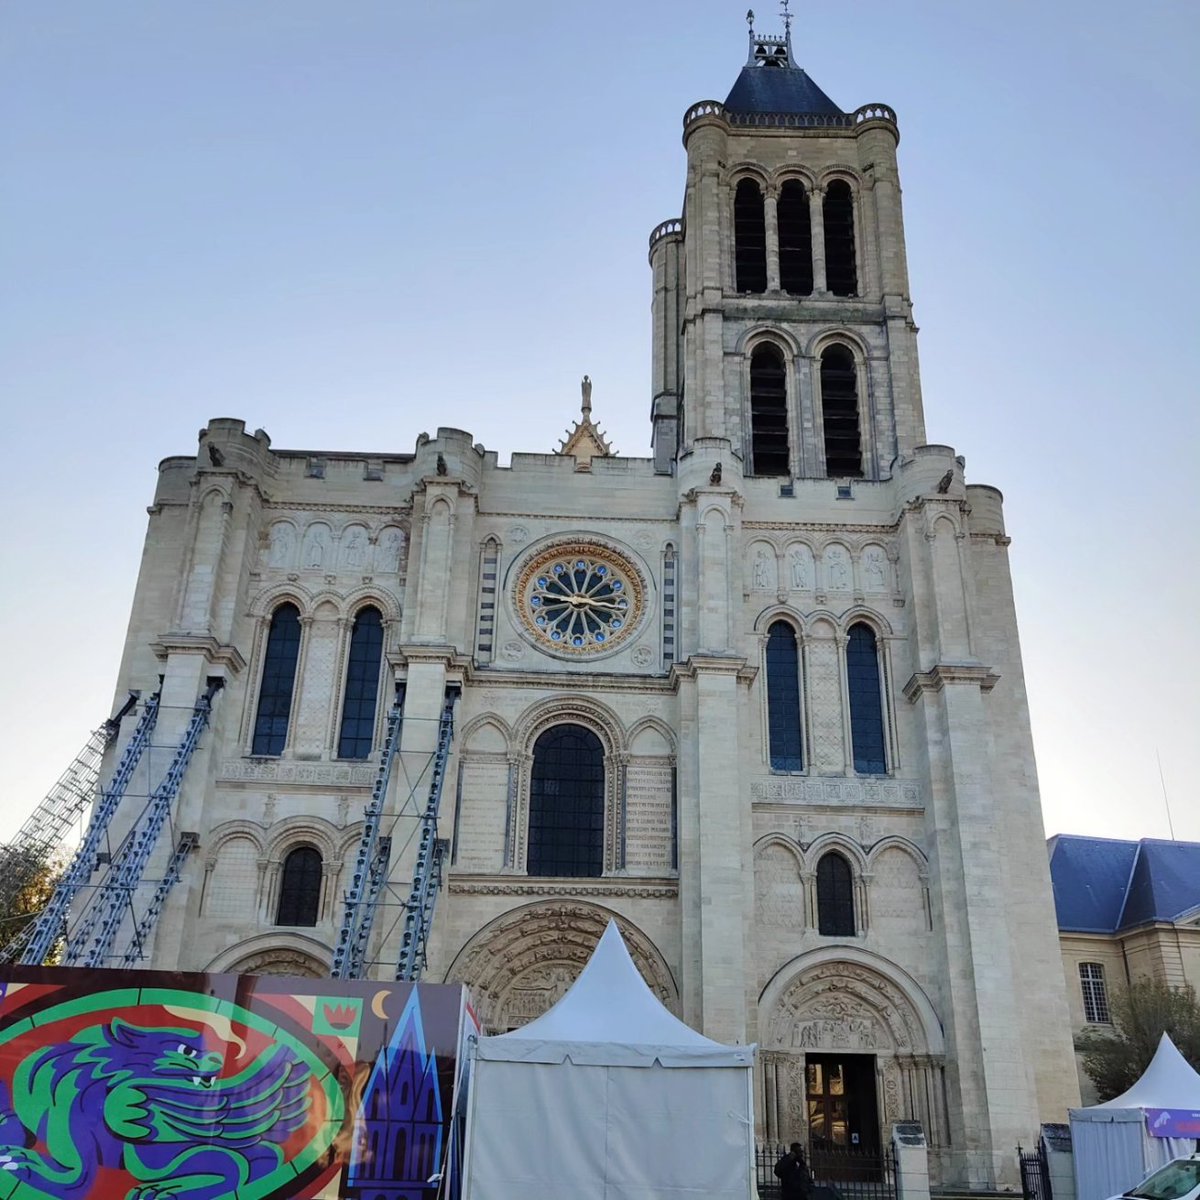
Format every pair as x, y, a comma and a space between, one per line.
759, 695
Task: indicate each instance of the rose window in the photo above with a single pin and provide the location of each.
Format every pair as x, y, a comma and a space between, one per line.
579, 598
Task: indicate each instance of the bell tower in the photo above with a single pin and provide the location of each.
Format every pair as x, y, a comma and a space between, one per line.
782, 315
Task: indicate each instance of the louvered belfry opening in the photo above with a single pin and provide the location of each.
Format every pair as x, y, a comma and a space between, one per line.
750, 238
839, 408
841, 268
795, 239
768, 413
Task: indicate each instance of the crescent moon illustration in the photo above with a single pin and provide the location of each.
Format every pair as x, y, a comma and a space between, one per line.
377, 1004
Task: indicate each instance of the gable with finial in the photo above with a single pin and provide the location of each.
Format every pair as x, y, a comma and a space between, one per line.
585, 440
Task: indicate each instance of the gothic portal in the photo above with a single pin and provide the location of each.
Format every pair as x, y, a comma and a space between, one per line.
762, 702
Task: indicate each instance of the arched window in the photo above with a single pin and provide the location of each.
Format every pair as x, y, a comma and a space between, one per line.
795, 239
839, 413
866, 701
300, 887
841, 271
768, 412
835, 896
362, 685
566, 804
783, 699
749, 238
278, 681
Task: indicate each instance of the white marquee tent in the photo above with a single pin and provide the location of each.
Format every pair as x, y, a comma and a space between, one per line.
608, 1096
1114, 1144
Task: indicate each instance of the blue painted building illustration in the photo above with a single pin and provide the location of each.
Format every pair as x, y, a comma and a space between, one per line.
398, 1134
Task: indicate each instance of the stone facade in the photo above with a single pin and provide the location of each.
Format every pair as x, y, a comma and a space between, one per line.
947, 992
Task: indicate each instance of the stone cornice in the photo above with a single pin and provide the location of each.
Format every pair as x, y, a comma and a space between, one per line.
508, 885
944, 675
825, 526
496, 676
715, 664
403, 508
217, 653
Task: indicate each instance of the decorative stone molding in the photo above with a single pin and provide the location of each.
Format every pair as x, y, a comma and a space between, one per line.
250, 770
940, 676
642, 889
216, 653
840, 793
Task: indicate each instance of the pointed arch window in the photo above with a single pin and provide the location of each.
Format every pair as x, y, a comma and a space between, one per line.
835, 896
749, 238
300, 887
357, 734
866, 701
278, 682
566, 804
795, 239
841, 269
768, 412
783, 699
839, 413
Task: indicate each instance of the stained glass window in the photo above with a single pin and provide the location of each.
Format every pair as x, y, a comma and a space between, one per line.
835, 896
300, 888
566, 804
278, 681
783, 699
866, 702
362, 685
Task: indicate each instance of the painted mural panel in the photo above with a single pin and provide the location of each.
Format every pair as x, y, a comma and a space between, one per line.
141, 1085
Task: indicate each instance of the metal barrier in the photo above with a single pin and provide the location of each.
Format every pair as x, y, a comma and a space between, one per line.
839, 1172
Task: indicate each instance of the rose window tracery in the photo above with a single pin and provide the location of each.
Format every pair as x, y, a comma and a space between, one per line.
579, 599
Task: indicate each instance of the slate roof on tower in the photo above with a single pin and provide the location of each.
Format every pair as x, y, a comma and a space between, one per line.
770, 89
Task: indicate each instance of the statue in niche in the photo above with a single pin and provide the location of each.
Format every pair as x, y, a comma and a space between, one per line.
800, 576
762, 572
875, 569
391, 546
837, 570
355, 550
283, 541
316, 548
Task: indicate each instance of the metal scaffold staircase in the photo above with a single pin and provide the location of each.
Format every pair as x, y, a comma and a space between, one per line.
427, 876
371, 862
40, 935
91, 942
374, 852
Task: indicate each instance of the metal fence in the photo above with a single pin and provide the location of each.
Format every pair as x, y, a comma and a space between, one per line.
1035, 1174
839, 1172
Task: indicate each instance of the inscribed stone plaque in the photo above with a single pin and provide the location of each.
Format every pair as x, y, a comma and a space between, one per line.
648, 824
481, 814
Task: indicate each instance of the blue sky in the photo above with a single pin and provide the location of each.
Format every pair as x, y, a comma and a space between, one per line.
350, 222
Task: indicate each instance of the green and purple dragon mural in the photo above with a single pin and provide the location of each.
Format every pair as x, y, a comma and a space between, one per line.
135, 1085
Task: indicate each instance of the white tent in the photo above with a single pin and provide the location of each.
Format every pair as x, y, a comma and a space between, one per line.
608, 1096
1113, 1143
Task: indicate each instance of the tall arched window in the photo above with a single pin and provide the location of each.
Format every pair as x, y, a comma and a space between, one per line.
795, 239
278, 681
841, 270
362, 685
300, 887
835, 896
566, 804
768, 412
839, 413
866, 701
783, 699
749, 238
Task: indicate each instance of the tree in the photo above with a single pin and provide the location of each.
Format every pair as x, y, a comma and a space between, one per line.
28, 875
1141, 1014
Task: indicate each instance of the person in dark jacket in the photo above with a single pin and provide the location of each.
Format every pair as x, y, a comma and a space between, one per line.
792, 1172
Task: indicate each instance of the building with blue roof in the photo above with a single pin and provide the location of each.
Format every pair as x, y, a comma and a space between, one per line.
1126, 911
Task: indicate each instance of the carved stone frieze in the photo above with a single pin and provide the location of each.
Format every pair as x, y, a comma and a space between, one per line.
642, 889
249, 770
888, 793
